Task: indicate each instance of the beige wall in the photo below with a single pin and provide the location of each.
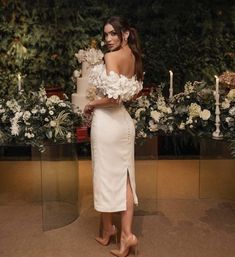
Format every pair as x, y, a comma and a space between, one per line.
155, 179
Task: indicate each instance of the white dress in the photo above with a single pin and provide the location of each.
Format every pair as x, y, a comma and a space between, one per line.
112, 141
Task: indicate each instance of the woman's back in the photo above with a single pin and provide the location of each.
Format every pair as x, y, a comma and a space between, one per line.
121, 61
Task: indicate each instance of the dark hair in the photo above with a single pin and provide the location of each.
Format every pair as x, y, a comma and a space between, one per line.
121, 25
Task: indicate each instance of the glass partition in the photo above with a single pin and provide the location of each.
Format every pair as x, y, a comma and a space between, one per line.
217, 170
59, 176
146, 166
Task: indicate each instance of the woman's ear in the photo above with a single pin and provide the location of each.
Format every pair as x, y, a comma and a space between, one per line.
126, 35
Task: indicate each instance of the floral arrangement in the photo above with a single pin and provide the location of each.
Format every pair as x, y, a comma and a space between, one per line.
228, 79
151, 114
228, 114
35, 118
192, 111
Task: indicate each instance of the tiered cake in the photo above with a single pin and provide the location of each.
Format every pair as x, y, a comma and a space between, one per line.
80, 99
88, 58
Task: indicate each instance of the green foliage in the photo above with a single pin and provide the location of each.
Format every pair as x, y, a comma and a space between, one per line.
195, 39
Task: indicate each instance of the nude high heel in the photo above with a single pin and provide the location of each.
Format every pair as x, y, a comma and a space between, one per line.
131, 242
107, 235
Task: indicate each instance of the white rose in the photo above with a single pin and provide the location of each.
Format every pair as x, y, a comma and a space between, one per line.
26, 115
205, 114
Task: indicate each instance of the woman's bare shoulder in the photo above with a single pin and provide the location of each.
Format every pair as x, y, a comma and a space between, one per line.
111, 61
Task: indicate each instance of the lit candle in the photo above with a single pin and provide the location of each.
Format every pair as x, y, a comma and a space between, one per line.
19, 82
171, 84
216, 85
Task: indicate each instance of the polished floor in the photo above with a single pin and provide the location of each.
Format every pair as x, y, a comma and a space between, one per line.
186, 225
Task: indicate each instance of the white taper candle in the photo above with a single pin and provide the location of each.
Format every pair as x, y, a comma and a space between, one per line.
19, 82
171, 84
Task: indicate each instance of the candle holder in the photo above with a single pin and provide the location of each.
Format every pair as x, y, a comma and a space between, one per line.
217, 133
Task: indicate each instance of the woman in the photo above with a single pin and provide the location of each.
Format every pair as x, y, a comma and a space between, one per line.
113, 133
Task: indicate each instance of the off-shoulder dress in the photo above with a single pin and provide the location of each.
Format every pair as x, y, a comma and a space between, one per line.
112, 141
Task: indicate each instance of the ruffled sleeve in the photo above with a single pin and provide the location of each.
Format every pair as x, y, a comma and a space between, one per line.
114, 85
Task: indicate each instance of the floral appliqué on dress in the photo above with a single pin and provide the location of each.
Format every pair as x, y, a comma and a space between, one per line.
114, 85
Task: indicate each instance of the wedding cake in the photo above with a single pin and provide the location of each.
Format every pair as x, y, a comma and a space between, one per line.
85, 91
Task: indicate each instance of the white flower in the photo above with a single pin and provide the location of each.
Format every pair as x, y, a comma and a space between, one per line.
51, 113
188, 88
155, 115
142, 134
62, 104
225, 104
77, 73
2, 110
53, 123
165, 109
46, 119
205, 114
231, 95
69, 135
26, 115
143, 102
232, 111
194, 110
29, 135
13, 105
152, 126
189, 120
92, 56
54, 99
182, 126
137, 113
229, 119
34, 111
43, 110
15, 129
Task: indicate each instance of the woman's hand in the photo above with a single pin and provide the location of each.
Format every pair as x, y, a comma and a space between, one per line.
88, 109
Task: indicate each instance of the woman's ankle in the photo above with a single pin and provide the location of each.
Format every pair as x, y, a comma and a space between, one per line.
125, 235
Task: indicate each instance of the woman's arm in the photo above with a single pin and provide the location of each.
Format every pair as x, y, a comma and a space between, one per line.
110, 65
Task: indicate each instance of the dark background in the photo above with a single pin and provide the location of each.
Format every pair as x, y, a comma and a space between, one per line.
195, 39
